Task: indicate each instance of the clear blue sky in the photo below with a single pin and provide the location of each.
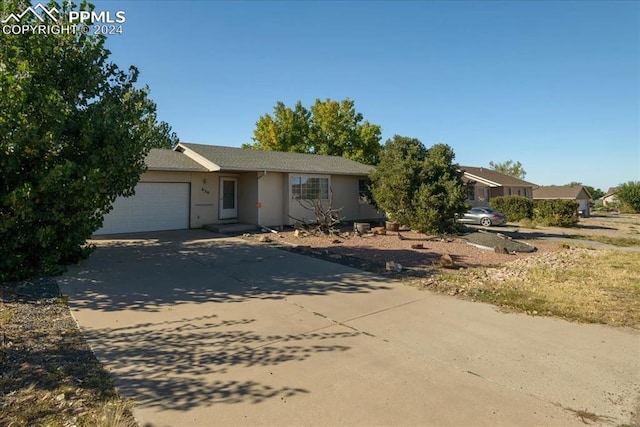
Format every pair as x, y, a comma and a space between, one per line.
554, 85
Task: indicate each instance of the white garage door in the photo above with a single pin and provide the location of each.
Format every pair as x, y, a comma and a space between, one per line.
156, 206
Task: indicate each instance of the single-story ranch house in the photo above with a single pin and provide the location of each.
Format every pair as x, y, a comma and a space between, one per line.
195, 185
487, 184
566, 192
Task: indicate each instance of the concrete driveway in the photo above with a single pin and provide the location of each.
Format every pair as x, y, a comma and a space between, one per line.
203, 330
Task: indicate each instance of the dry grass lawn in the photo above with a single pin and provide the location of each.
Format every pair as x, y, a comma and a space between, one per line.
579, 284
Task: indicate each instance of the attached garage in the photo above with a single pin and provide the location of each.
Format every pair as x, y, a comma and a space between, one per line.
156, 206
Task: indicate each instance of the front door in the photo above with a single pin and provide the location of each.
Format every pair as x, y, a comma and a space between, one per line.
228, 198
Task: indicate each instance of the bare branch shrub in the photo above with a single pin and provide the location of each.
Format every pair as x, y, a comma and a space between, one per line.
326, 217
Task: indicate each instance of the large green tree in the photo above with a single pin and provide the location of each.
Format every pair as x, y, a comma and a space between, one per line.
629, 195
442, 194
397, 177
419, 187
510, 168
74, 132
329, 127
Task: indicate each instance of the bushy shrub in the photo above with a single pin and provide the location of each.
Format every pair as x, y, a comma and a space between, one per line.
629, 195
419, 187
74, 133
527, 223
514, 207
556, 213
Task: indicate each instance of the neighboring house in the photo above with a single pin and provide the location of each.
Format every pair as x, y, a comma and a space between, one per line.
196, 185
610, 199
487, 184
566, 192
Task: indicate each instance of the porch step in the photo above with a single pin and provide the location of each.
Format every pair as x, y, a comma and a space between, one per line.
231, 228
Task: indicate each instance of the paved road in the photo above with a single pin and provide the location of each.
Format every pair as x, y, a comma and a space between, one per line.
591, 244
202, 330
556, 234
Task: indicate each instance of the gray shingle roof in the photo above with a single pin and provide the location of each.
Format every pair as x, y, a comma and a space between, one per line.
239, 159
572, 192
497, 177
169, 160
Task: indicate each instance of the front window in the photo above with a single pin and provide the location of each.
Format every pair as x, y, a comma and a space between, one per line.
308, 187
364, 192
471, 192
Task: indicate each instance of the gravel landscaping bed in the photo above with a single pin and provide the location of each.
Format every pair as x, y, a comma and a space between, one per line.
418, 254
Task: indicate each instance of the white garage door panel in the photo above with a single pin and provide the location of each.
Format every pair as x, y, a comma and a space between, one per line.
155, 207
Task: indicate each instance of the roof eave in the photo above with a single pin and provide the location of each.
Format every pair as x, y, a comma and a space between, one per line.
170, 169
482, 180
319, 172
206, 163
554, 198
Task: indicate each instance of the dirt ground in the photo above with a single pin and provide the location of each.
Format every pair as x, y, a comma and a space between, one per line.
418, 253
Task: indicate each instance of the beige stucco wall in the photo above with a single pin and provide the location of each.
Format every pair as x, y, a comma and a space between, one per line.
161, 176
272, 190
204, 196
247, 197
271, 198
344, 189
346, 195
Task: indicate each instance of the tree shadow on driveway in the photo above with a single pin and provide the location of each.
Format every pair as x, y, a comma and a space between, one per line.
147, 274
156, 312
181, 364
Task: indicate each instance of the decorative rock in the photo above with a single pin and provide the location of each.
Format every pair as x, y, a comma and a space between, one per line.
379, 230
393, 266
361, 227
446, 261
417, 246
264, 239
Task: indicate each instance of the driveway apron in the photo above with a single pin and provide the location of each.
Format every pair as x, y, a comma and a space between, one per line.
199, 329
